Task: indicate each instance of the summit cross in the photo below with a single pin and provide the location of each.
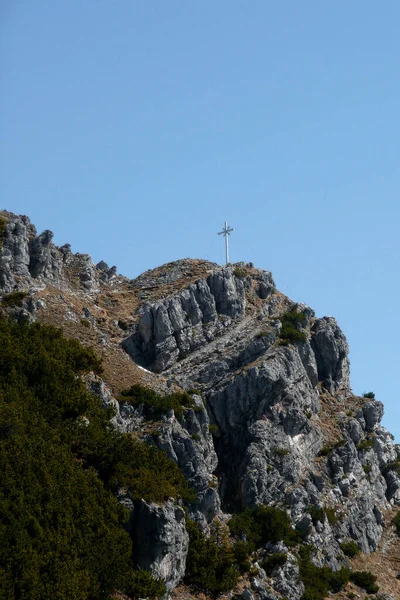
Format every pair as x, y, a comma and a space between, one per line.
226, 232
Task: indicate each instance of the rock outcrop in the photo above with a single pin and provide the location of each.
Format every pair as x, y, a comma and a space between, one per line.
160, 541
189, 443
28, 259
172, 329
268, 402
273, 420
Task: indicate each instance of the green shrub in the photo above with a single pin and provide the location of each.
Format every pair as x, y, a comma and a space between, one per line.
239, 272
241, 552
144, 470
328, 448
318, 581
263, 524
210, 567
196, 437
261, 334
290, 331
213, 429
368, 395
14, 298
272, 561
350, 549
317, 514
396, 522
365, 580
194, 391
365, 444
278, 451
392, 466
156, 405
85, 323
3, 224
62, 529
338, 579
331, 515
340, 443
325, 450
367, 469
141, 584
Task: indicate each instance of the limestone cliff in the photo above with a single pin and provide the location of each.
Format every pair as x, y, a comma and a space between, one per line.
275, 420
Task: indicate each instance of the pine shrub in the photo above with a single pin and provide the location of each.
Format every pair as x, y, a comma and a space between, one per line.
350, 549
263, 524
61, 527
210, 566
365, 580
290, 331
156, 405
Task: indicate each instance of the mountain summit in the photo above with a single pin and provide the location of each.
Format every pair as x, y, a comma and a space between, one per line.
269, 420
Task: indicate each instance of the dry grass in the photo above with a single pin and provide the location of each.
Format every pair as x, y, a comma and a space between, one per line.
385, 562
66, 310
333, 412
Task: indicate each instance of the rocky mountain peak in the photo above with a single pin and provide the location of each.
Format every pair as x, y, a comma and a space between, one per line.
274, 420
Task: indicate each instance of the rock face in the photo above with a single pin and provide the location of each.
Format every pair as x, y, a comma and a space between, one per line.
331, 349
172, 329
279, 410
160, 540
189, 443
31, 260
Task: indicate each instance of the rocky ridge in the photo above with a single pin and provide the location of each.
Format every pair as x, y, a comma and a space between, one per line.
275, 422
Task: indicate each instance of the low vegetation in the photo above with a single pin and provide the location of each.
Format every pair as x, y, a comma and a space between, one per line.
61, 463
239, 272
319, 581
328, 448
365, 580
261, 334
350, 549
214, 564
392, 466
331, 515
263, 524
396, 523
61, 527
213, 429
156, 405
290, 331
317, 513
365, 444
273, 561
367, 468
14, 299
211, 565
368, 395
3, 224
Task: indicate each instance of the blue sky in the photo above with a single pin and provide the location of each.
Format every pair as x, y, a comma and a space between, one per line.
134, 129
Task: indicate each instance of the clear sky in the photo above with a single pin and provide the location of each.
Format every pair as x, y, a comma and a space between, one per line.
134, 129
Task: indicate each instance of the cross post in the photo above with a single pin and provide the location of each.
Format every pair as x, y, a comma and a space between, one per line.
226, 232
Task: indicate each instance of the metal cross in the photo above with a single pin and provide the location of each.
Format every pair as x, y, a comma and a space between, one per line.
226, 232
